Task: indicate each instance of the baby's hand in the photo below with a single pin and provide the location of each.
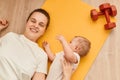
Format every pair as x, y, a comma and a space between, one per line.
60, 37
45, 44
3, 24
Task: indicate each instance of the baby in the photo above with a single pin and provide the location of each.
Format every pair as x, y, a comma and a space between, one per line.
78, 47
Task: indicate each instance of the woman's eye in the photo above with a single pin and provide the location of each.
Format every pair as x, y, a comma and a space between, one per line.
41, 24
33, 21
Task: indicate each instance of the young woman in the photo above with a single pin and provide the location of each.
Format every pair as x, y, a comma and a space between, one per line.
20, 56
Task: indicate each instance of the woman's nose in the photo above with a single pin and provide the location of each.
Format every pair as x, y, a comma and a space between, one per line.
36, 25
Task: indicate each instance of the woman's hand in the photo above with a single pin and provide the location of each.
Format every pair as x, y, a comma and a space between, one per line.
67, 69
3, 24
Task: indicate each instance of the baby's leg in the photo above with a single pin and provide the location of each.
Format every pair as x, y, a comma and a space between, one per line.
55, 71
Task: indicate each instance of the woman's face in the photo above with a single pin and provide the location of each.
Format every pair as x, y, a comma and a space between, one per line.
35, 26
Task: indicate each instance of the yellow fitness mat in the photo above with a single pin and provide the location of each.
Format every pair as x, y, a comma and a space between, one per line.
71, 18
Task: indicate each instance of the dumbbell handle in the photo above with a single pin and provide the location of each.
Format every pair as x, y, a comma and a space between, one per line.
107, 16
100, 13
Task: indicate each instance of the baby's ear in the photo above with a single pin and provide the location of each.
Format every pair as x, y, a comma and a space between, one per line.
77, 48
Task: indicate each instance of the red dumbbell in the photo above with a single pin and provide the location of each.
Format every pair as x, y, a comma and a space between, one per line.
107, 10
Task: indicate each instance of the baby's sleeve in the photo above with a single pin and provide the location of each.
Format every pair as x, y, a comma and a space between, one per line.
78, 59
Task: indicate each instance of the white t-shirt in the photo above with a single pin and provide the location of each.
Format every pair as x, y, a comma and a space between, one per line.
55, 71
20, 58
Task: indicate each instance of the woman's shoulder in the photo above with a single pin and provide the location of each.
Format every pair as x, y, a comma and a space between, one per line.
11, 34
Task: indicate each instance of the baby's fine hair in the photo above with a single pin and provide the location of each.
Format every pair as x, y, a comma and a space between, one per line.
84, 44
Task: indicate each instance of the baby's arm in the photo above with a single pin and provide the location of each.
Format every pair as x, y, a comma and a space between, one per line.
68, 52
3, 24
47, 49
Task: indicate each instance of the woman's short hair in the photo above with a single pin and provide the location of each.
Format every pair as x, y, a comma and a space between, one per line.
43, 12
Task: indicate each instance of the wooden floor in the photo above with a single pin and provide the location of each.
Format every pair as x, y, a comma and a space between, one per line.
107, 63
